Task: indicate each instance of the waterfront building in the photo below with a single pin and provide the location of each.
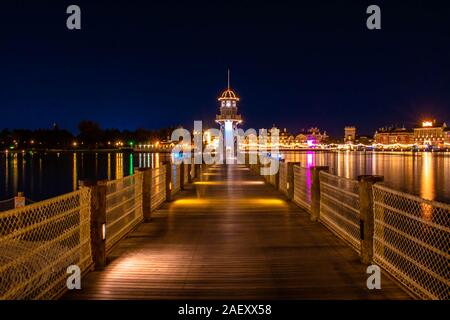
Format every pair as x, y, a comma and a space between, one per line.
393, 135
312, 136
432, 133
228, 119
350, 135
286, 138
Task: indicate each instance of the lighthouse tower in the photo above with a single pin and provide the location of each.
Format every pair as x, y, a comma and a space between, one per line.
229, 120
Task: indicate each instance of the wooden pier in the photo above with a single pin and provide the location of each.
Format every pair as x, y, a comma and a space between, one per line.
232, 236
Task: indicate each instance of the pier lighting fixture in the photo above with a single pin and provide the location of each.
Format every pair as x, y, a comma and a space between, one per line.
104, 231
74, 144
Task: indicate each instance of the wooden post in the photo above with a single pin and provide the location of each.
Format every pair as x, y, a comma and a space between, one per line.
197, 171
182, 182
146, 192
98, 221
277, 178
366, 215
290, 179
315, 192
169, 185
19, 200
189, 168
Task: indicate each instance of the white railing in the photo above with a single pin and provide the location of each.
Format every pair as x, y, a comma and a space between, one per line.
123, 207
302, 187
283, 178
411, 241
339, 207
158, 192
40, 241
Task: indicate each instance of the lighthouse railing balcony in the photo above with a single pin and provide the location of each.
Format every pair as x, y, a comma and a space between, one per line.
235, 117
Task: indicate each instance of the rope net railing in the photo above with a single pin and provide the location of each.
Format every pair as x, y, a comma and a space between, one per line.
40, 241
158, 185
302, 187
339, 207
411, 241
10, 204
175, 178
283, 178
123, 207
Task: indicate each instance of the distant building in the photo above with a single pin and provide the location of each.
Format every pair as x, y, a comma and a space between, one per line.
285, 138
431, 133
311, 136
350, 135
392, 135
365, 140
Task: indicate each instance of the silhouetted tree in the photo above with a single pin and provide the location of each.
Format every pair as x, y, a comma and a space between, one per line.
90, 133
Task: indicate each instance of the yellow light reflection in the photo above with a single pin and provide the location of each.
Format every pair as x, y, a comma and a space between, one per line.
74, 173
229, 182
427, 185
230, 202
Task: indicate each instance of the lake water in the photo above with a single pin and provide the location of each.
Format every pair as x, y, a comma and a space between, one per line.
425, 174
44, 175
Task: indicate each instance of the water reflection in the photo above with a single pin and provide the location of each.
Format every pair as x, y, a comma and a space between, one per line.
427, 187
42, 175
119, 166
424, 174
74, 173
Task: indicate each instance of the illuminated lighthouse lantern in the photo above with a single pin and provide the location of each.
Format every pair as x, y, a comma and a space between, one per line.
229, 120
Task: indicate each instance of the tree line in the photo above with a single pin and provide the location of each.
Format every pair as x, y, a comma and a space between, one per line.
90, 136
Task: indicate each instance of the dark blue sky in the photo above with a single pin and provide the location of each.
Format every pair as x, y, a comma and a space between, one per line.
159, 63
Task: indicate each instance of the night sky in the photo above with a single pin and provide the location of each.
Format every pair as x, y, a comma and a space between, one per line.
154, 64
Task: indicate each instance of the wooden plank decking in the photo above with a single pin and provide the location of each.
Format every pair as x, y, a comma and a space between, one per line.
232, 237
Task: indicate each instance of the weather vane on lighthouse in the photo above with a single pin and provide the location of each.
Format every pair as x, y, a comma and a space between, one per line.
229, 120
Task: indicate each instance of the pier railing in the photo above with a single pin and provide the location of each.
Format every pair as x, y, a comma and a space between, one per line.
158, 187
283, 176
404, 234
411, 241
40, 241
302, 186
123, 207
339, 207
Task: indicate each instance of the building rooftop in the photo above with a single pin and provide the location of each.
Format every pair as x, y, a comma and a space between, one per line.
229, 95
